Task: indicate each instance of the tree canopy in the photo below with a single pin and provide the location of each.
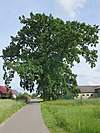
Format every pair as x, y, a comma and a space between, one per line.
45, 50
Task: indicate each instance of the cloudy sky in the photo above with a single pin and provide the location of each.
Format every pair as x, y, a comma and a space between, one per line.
87, 11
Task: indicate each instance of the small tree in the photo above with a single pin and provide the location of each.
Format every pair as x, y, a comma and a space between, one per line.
34, 95
44, 51
25, 96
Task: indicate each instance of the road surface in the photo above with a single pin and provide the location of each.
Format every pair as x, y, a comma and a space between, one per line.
26, 120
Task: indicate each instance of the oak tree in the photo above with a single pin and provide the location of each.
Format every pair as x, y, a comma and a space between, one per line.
44, 51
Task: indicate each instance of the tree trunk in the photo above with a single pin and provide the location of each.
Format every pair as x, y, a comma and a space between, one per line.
46, 95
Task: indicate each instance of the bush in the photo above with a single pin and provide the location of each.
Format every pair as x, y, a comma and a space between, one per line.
23, 97
34, 95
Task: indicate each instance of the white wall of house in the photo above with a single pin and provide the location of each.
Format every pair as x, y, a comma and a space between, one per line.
85, 95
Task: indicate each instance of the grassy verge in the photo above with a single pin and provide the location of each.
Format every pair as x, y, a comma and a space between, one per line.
8, 107
72, 116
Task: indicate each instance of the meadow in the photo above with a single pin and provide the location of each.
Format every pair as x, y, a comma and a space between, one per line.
72, 116
8, 107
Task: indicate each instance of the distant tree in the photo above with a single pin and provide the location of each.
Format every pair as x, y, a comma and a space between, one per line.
25, 97
44, 51
34, 95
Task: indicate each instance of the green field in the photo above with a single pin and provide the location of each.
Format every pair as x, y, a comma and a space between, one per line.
8, 107
72, 116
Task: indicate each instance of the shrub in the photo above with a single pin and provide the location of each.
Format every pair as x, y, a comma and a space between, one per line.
23, 97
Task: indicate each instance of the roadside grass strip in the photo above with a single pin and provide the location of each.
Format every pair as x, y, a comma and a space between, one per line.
9, 107
72, 116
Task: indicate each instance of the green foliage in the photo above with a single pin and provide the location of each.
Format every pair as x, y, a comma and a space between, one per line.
22, 95
46, 50
34, 95
25, 96
69, 117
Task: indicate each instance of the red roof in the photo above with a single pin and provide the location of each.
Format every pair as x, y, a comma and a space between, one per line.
4, 90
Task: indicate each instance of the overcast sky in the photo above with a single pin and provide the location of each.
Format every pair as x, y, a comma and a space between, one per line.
87, 11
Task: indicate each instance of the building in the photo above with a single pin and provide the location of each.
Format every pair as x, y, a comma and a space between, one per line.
4, 92
88, 92
14, 94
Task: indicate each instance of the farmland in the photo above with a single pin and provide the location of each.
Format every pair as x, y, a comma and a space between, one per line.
72, 116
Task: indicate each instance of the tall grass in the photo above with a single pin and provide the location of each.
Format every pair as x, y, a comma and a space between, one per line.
8, 107
72, 116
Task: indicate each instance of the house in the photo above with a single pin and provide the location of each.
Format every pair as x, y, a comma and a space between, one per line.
14, 94
88, 92
4, 92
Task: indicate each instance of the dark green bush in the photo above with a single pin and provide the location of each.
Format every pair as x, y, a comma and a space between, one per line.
25, 97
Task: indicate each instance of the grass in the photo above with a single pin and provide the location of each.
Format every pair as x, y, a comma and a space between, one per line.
72, 116
8, 107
